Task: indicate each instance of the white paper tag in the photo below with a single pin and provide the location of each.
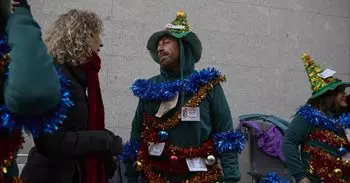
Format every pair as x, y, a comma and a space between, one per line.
196, 165
190, 114
346, 157
171, 26
167, 106
326, 73
156, 149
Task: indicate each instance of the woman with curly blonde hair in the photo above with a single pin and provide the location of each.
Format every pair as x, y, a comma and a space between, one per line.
82, 150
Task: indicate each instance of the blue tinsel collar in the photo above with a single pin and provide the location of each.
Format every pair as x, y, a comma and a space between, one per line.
165, 91
317, 118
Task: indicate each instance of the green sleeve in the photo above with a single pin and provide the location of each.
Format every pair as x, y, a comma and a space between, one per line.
222, 120
296, 135
131, 173
32, 86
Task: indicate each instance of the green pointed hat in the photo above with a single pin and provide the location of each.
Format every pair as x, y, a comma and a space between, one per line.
180, 29
321, 80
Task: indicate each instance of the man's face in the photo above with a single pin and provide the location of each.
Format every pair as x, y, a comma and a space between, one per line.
168, 53
341, 97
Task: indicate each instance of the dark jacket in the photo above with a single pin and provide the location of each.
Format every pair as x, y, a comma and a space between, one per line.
58, 157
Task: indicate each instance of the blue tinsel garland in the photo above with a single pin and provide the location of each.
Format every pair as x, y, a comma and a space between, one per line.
232, 141
149, 90
229, 141
45, 123
129, 151
317, 118
273, 177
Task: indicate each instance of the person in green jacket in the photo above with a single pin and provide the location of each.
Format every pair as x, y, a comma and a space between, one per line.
321, 128
34, 96
183, 125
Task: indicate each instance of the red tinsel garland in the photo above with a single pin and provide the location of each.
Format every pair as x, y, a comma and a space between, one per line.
210, 176
329, 168
329, 138
149, 135
11, 180
4, 62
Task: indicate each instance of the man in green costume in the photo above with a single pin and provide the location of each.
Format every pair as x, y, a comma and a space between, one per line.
321, 128
178, 112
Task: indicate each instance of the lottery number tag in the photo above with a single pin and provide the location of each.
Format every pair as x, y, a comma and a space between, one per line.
156, 149
190, 114
196, 165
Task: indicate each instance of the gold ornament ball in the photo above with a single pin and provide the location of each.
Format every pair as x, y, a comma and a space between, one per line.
138, 166
181, 14
338, 172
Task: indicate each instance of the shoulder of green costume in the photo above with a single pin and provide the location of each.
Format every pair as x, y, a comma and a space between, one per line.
47, 122
298, 118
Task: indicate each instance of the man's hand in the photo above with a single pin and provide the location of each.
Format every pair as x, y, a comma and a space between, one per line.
305, 180
19, 3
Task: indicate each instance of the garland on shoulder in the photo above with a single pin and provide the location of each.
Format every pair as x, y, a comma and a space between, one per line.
317, 118
165, 91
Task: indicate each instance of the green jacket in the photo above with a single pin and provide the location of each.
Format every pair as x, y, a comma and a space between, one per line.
297, 135
32, 86
215, 116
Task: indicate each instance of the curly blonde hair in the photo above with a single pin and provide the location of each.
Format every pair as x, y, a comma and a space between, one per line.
69, 39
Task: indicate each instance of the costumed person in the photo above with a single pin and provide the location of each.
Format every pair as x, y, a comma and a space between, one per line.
82, 150
320, 127
183, 125
34, 97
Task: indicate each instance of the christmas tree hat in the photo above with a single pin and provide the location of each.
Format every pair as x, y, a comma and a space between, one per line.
180, 29
321, 80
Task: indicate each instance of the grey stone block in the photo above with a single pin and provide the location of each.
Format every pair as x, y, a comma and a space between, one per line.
211, 15
102, 7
